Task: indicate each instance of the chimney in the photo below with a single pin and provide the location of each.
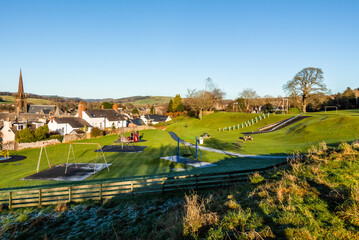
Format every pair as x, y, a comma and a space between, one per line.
52, 119
115, 106
102, 107
80, 109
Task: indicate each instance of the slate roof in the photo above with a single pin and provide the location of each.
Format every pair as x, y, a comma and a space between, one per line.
74, 122
156, 118
110, 114
46, 109
137, 121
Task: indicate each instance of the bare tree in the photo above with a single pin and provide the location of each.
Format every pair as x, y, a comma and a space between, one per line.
305, 82
248, 95
200, 100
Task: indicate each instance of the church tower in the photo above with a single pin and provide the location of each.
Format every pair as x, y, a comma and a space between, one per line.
20, 98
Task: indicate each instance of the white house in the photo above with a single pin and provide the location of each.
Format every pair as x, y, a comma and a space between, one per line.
66, 125
7, 132
104, 118
154, 119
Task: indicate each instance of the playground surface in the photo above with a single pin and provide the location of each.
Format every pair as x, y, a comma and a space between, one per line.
12, 158
75, 172
124, 149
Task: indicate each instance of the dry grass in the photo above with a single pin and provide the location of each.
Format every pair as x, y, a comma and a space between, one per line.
61, 207
196, 216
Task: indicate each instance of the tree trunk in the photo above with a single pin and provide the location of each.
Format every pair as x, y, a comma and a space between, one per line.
200, 114
304, 104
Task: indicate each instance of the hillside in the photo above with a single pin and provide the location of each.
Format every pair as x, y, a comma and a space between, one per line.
317, 197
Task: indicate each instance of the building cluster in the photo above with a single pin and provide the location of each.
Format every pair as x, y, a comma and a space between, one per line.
34, 116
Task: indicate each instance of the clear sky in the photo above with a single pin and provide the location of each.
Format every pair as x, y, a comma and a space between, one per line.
98, 49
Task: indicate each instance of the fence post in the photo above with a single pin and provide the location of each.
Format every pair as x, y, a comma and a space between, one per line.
40, 193
163, 187
132, 188
10, 200
70, 194
100, 192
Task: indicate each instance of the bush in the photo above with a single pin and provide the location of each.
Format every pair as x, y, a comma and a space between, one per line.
41, 133
25, 135
96, 132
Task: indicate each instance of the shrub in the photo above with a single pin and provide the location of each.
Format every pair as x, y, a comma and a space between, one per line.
96, 132
25, 135
256, 178
41, 133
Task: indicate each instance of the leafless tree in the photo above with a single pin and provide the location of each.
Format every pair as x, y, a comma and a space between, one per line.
305, 82
201, 100
248, 95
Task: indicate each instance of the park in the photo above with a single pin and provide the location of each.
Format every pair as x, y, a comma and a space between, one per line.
266, 149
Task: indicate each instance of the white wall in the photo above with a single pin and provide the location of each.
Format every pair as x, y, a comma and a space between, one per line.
7, 134
62, 128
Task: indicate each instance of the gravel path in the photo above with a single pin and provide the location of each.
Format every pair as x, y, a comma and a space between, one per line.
175, 137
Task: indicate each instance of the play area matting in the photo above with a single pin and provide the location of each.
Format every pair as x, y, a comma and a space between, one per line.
12, 158
75, 172
125, 149
188, 161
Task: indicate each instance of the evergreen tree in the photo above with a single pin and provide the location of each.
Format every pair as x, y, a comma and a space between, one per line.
176, 101
169, 107
152, 111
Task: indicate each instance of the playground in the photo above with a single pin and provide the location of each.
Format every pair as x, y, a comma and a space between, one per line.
269, 148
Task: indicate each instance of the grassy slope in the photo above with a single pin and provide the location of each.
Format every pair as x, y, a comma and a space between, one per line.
316, 198
152, 100
36, 101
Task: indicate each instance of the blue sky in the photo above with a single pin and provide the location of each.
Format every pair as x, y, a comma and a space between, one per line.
98, 49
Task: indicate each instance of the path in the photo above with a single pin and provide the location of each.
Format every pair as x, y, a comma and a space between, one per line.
175, 137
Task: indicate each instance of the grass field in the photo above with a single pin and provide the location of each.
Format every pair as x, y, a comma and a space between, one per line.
333, 128
36, 101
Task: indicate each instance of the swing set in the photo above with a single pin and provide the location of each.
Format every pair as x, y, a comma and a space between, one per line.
71, 150
187, 150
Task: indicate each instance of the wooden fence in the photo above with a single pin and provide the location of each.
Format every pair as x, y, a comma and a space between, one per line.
99, 191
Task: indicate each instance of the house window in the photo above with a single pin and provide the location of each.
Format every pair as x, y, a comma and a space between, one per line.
63, 130
100, 125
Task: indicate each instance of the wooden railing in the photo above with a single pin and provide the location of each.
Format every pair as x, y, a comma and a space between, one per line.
47, 196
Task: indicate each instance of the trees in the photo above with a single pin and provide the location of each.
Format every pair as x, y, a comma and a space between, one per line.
135, 111
248, 95
107, 105
307, 81
152, 110
41, 133
177, 101
200, 100
169, 107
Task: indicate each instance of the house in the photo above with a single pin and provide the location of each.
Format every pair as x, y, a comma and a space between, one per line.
7, 132
66, 125
102, 118
154, 119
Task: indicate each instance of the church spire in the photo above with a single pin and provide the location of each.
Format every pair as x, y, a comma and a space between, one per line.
20, 92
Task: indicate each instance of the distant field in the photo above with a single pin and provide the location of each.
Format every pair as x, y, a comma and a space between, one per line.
151, 100
36, 101
333, 128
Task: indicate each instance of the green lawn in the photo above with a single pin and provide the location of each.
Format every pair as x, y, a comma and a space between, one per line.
332, 127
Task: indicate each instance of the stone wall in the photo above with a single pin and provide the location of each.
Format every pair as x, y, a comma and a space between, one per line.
19, 146
73, 137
